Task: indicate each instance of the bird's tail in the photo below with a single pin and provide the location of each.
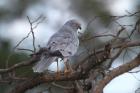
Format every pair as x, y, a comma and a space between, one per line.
43, 64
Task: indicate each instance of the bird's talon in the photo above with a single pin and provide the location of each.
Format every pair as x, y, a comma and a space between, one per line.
67, 72
58, 74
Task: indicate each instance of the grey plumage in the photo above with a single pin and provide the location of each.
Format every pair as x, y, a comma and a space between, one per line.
43, 64
65, 40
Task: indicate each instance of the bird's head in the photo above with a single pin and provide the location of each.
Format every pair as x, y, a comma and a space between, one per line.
74, 24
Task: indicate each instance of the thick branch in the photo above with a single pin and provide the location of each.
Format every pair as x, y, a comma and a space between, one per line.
128, 44
21, 64
116, 72
22, 87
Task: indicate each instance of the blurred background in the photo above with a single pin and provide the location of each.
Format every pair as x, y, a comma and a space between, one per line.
14, 26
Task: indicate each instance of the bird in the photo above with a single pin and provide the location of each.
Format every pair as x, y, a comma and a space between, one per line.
65, 40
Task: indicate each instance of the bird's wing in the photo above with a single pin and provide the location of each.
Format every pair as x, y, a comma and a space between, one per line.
66, 42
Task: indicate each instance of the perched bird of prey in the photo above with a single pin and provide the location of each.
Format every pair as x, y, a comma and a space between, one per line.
65, 41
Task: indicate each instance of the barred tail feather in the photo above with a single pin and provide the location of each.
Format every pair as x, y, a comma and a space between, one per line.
43, 64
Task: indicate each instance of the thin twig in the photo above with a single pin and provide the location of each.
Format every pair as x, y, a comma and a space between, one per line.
28, 34
134, 71
40, 21
61, 86
32, 31
25, 49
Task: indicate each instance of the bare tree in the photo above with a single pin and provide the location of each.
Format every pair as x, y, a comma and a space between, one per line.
91, 74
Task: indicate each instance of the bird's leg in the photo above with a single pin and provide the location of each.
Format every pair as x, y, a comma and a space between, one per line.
58, 71
67, 69
66, 65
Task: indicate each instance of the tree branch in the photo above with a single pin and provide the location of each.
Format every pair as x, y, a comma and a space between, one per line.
116, 72
21, 64
80, 73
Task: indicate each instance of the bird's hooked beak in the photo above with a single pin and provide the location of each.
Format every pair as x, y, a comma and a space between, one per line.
79, 27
